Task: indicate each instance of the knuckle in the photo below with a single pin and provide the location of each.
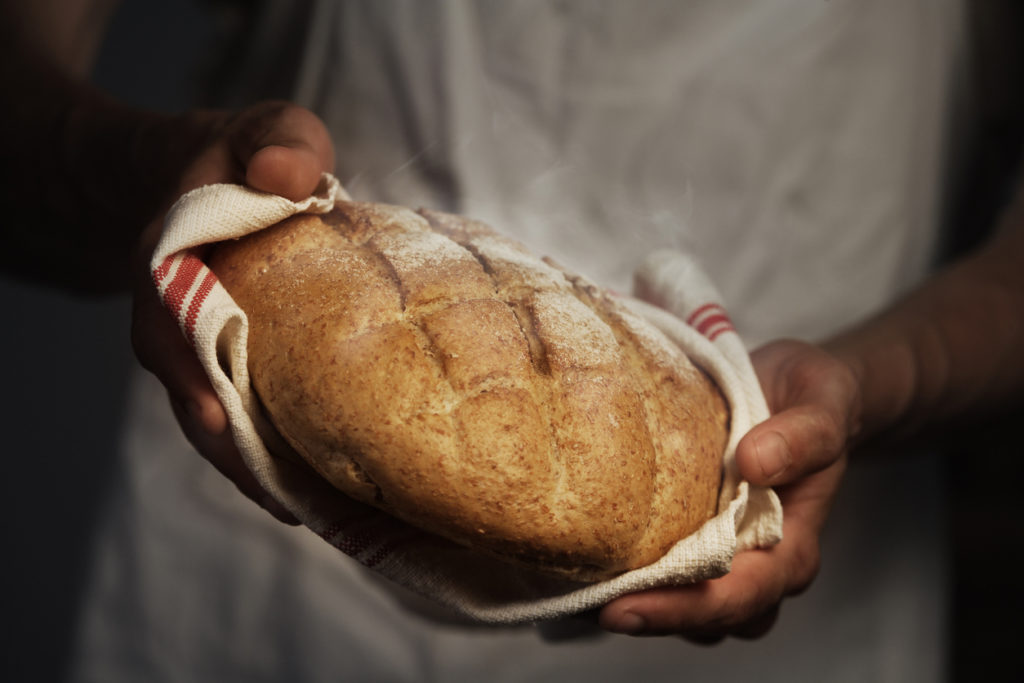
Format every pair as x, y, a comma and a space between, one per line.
833, 437
826, 436
739, 608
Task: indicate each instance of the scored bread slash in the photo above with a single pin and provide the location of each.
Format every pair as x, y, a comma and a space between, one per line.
510, 439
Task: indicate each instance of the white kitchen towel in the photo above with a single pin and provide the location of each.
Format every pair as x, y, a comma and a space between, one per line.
477, 587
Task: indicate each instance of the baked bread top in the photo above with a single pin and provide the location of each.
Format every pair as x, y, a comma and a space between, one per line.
425, 365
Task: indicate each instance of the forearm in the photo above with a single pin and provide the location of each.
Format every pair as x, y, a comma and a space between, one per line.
950, 349
81, 174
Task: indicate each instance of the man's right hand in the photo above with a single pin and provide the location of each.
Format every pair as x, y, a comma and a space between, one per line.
273, 147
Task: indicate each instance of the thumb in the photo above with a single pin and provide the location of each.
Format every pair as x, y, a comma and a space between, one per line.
273, 147
283, 148
789, 446
814, 399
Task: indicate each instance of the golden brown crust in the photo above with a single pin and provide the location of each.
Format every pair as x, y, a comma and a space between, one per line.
430, 367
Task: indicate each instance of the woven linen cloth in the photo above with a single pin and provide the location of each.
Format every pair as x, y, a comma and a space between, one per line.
478, 587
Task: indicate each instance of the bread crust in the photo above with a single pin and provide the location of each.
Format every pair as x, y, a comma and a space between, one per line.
425, 365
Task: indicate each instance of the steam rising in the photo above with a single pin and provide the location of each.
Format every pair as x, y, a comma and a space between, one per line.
557, 200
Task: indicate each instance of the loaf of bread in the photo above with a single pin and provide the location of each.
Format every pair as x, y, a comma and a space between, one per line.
425, 365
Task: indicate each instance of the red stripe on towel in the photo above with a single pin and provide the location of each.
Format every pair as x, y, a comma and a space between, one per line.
701, 311
714, 334
177, 290
712, 322
205, 287
161, 271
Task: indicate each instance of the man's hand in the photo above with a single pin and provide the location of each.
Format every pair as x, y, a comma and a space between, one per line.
801, 451
274, 147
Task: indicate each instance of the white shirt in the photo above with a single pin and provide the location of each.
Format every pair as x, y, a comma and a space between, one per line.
794, 146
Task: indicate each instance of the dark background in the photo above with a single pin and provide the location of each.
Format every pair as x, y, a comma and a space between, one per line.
66, 367
67, 363
986, 463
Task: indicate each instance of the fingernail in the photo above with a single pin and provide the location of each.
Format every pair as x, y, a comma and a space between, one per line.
772, 455
629, 624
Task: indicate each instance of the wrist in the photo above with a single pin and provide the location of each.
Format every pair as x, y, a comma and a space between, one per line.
885, 374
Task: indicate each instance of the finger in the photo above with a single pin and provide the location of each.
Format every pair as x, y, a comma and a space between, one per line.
758, 626
753, 629
162, 349
790, 445
221, 452
815, 399
738, 602
290, 172
274, 147
704, 610
284, 149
